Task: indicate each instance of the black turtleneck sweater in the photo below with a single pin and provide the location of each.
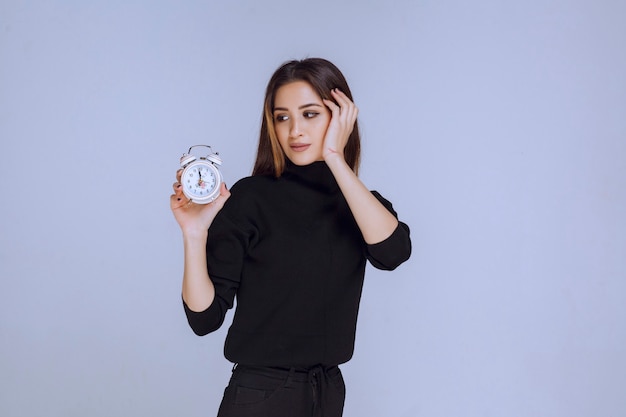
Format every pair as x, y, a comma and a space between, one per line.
290, 250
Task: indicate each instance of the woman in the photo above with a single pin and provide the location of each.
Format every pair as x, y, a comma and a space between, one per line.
290, 243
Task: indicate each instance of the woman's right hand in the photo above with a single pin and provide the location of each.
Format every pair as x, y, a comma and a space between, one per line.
195, 218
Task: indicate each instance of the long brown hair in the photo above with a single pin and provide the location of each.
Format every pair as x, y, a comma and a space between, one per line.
323, 76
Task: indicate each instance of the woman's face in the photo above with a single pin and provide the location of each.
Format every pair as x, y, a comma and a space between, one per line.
300, 122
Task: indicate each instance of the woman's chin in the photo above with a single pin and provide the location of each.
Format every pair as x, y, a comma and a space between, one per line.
302, 160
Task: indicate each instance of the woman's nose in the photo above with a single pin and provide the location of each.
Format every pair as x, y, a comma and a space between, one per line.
294, 129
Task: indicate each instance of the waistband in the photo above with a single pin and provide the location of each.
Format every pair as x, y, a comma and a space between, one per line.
297, 373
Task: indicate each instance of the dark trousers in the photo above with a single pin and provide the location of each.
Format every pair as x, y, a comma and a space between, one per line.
281, 392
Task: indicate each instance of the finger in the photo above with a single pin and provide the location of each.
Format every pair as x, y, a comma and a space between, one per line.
177, 186
179, 173
349, 110
345, 103
332, 106
341, 98
178, 192
352, 113
344, 108
345, 116
176, 201
224, 195
224, 191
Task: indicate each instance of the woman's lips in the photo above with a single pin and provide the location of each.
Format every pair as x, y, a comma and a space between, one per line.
299, 147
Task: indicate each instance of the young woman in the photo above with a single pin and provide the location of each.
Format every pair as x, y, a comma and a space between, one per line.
290, 243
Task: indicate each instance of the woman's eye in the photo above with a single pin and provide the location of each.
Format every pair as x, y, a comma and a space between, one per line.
281, 117
310, 114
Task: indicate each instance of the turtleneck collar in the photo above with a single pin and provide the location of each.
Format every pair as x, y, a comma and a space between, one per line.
316, 175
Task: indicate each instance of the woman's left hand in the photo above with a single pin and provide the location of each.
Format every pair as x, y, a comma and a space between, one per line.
343, 117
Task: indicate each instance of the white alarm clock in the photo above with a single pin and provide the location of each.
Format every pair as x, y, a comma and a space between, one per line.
201, 178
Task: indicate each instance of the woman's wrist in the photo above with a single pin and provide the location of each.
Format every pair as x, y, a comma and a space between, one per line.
195, 236
334, 158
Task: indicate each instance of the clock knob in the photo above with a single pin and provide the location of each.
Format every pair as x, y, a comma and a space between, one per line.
215, 158
186, 159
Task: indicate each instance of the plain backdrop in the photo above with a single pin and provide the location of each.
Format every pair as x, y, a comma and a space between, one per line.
496, 128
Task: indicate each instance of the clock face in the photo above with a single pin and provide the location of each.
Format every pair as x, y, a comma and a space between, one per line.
201, 182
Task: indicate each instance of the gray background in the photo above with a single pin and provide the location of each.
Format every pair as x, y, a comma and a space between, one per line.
497, 129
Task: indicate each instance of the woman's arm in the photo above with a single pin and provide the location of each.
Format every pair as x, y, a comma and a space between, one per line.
198, 290
194, 221
374, 220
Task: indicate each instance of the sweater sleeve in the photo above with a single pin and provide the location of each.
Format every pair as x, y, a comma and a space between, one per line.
226, 248
393, 251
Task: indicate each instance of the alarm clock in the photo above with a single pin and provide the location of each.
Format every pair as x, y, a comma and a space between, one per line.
201, 178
